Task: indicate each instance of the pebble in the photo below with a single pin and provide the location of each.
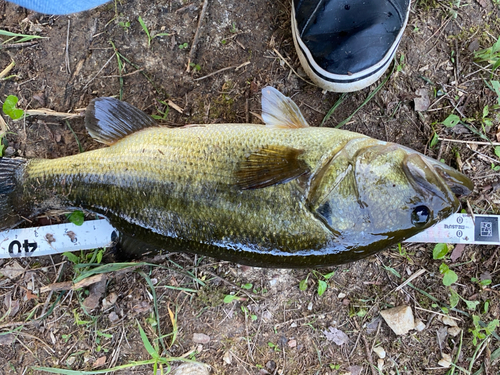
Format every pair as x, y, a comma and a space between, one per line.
449, 321
192, 369
445, 361
201, 338
419, 325
399, 319
378, 350
454, 331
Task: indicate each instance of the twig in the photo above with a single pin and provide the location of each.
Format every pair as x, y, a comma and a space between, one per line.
434, 312
18, 45
66, 53
50, 112
99, 72
197, 34
473, 142
293, 70
236, 67
411, 278
124, 75
7, 70
367, 349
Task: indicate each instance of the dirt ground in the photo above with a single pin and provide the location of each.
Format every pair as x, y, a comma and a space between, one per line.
270, 325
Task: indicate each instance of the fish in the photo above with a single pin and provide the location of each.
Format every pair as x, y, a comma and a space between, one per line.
284, 194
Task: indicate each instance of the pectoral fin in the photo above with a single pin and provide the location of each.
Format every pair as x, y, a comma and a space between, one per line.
108, 120
269, 166
279, 111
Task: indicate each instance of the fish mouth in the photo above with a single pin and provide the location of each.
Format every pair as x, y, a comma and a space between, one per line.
458, 183
436, 180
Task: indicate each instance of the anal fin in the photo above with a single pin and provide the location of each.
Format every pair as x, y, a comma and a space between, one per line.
270, 166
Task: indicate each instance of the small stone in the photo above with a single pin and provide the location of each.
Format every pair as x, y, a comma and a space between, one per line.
70, 361
380, 364
310, 306
193, 368
292, 343
271, 365
419, 325
454, 331
341, 295
399, 319
355, 369
449, 321
9, 151
378, 350
201, 338
109, 301
227, 357
113, 317
445, 361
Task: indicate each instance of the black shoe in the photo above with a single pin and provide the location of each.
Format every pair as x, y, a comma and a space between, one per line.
346, 45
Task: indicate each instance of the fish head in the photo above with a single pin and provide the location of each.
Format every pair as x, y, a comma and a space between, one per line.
390, 192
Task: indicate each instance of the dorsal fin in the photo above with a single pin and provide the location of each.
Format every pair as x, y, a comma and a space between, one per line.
108, 120
279, 111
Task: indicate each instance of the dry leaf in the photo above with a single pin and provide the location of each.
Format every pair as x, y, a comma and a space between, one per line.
337, 336
12, 270
7, 339
99, 362
457, 252
422, 100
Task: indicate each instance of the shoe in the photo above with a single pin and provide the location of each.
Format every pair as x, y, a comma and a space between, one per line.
346, 45
59, 7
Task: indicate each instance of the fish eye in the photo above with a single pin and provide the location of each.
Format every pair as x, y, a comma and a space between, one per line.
420, 215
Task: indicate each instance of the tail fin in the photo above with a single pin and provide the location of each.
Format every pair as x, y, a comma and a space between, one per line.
10, 170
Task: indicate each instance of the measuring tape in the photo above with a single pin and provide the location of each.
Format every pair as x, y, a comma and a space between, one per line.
59, 238
56, 239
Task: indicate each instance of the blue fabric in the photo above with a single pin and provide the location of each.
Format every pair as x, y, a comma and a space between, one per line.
59, 6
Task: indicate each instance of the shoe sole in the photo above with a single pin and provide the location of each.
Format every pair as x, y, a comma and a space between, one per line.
338, 82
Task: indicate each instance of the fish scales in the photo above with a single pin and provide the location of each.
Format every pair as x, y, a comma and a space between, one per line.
188, 177
284, 194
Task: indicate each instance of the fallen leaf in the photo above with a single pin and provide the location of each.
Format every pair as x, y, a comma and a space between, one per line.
30, 295
337, 336
355, 370
12, 270
7, 339
141, 307
422, 100
11, 306
99, 362
96, 292
457, 252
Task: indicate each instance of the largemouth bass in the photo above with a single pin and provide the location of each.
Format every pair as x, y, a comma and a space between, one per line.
280, 195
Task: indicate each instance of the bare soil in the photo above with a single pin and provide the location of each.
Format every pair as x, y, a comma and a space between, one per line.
273, 327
